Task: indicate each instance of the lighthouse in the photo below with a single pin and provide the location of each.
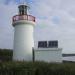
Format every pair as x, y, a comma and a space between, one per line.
23, 24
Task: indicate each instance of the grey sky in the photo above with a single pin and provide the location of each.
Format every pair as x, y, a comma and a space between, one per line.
55, 20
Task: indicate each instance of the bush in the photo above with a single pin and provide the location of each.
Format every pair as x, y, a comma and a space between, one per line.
6, 54
36, 68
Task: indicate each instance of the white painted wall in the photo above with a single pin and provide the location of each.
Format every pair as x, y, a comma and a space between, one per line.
48, 54
23, 40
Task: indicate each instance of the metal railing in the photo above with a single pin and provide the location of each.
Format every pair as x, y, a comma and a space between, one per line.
23, 17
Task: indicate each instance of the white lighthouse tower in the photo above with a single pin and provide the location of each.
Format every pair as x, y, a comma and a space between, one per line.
23, 34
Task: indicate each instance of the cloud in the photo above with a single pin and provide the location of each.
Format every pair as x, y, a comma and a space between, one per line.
55, 20
6, 29
7, 2
58, 22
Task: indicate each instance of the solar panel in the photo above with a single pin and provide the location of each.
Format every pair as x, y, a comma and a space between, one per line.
52, 44
42, 44
49, 44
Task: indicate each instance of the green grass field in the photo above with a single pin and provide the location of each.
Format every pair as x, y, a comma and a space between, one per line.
36, 68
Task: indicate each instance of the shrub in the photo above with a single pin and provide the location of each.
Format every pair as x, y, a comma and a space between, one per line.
36, 68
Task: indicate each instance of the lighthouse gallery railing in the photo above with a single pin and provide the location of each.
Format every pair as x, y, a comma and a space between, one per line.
23, 17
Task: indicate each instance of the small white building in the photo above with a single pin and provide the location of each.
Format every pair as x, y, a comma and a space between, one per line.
52, 55
48, 54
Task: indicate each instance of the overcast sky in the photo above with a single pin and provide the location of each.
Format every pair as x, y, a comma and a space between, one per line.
55, 20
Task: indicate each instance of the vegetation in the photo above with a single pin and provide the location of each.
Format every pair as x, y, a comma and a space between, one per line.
8, 67
36, 68
6, 54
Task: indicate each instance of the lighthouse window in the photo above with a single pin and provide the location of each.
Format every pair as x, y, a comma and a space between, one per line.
22, 10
